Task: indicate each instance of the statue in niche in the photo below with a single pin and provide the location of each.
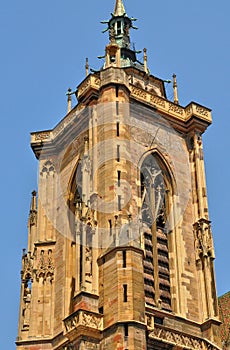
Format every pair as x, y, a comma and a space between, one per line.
203, 241
33, 217
152, 193
27, 300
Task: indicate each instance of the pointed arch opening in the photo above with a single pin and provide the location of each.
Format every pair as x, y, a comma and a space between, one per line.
155, 191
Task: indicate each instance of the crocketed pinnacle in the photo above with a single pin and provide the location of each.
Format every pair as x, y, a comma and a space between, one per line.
119, 9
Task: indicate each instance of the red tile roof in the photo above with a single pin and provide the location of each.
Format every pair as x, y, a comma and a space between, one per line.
224, 309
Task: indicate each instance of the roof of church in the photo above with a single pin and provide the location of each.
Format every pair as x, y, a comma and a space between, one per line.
224, 309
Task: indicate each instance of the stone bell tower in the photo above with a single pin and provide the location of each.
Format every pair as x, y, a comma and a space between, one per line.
120, 251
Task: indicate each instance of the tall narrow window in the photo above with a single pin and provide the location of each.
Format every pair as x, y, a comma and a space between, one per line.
124, 258
119, 202
118, 153
110, 227
125, 293
118, 129
117, 91
126, 330
118, 178
117, 108
118, 27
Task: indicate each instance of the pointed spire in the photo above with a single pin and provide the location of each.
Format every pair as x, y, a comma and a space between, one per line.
119, 9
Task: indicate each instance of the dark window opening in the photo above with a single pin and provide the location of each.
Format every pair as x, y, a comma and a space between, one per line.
112, 59
101, 310
124, 258
125, 294
118, 27
118, 153
119, 178
117, 108
117, 91
110, 227
119, 202
158, 320
126, 330
118, 129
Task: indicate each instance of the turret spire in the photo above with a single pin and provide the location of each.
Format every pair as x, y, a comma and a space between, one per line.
119, 9
120, 53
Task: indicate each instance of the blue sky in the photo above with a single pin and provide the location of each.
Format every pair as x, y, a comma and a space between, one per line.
43, 49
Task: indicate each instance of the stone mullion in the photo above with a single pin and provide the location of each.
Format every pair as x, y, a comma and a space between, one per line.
50, 208
54, 208
207, 287
83, 242
213, 281
22, 304
173, 258
179, 259
46, 205
41, 210
154, 243
52, 306
47, 308
33, 330
194, 185
201, 284
199, 176
94, 151
203, 180
95, 254
78, 245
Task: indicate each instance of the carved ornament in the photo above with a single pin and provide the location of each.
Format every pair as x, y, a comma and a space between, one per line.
179, 339
45, 269
83, 318
27, 267
203, 240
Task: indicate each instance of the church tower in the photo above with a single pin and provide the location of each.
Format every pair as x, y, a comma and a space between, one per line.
120, 251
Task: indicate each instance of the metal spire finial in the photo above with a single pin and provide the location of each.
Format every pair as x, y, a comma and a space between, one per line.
119, 9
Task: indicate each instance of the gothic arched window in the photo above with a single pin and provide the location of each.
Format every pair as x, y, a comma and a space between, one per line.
155, 191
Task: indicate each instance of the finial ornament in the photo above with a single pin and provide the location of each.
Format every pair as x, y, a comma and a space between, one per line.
175, 89
119, 9
86, 66
145, 61
69, 100
33, 201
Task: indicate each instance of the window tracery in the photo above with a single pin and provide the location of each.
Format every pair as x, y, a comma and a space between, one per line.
155, 183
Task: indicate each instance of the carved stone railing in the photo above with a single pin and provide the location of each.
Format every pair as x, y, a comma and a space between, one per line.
83, 318
160, 103
180, 339
91, 81
165, 106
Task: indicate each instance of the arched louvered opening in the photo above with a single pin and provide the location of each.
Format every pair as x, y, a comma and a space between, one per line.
156, 187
